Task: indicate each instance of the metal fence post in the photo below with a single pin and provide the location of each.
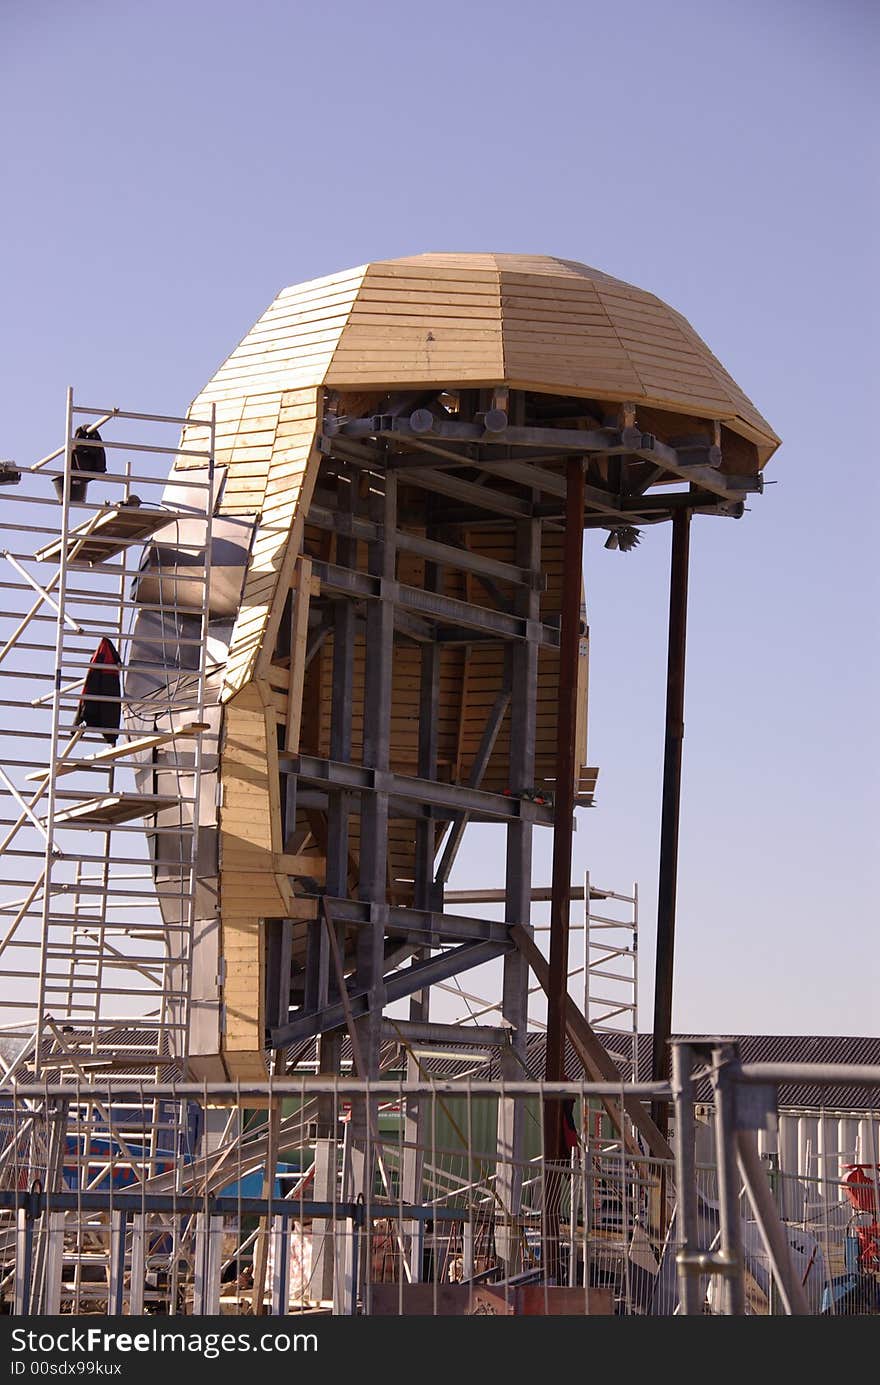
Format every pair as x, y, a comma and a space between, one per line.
138, 1264
24, 1252
280, 1267
724, 1057
687, 1211
117, 1263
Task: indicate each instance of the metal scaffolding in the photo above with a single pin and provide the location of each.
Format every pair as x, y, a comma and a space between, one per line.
97, 940
121, 1184
611, 971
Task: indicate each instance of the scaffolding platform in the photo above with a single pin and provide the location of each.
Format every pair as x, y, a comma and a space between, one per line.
106, 537
102, 758
112, 810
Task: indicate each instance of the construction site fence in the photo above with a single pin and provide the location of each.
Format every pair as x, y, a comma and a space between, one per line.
394, 1198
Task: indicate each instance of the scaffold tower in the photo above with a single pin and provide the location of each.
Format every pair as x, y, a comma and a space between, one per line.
102, 761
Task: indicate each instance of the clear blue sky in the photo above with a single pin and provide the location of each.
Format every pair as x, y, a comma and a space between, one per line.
167, 167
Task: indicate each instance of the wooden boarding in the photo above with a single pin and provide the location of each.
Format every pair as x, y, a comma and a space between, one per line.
119, 752
298, 640
110, 810
113, 531
253, 884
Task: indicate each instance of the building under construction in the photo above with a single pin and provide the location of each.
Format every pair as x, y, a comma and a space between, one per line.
262, 667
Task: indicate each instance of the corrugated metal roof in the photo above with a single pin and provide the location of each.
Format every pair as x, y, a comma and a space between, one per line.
129, 1049
797, 1048
754, 1048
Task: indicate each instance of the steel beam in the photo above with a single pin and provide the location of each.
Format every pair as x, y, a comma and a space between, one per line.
372, 587
396, 987
481, 497
478, 769
699, 465
456, 1035
607, 440
418, 926
451, 555
328, 774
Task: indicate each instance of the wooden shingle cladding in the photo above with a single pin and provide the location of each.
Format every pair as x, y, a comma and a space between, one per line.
533, 323
416, 324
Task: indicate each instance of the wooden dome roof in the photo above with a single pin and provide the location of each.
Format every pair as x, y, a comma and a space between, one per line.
529, 321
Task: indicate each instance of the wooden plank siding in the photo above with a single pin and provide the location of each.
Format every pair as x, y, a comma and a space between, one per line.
250, 888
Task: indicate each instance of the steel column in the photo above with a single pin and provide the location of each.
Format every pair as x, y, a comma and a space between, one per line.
280, 1267
373, 882
668, 879
563, 827
318, 971
208, 1241
425, 896
117, 1263
518, 889
138, 1264
566, 774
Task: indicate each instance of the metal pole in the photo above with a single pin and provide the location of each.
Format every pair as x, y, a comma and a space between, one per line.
50, 854
517, 902
563, 826
24, 1250
117, 1263
182, 1009
280, 1267
51, 1304
635, 965
666, 890
587, 946
560, 901
731, 1241
790, 1288
686, 1178
138, 1264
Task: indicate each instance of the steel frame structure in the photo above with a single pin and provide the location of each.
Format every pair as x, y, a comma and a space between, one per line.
110, 988
362, 948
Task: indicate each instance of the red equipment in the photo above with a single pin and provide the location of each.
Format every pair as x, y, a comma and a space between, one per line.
862, 1182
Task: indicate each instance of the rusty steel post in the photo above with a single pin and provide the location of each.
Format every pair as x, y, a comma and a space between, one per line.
668, 879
